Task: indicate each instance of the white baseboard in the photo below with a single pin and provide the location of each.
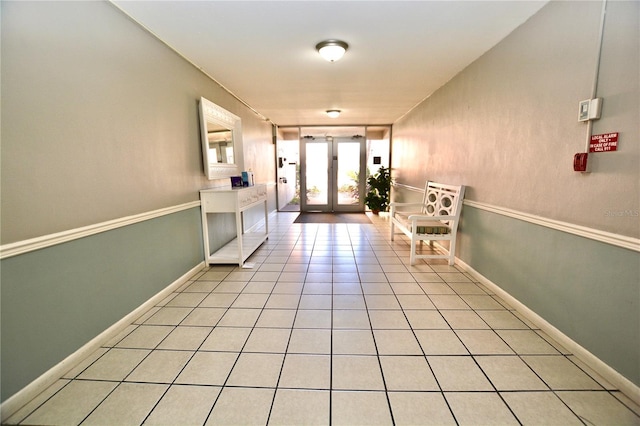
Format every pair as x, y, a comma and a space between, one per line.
612, 376
26, 394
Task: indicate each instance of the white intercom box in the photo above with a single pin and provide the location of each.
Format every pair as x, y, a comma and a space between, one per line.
590, 109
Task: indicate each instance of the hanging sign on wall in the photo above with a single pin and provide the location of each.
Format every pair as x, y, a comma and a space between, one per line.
604, 143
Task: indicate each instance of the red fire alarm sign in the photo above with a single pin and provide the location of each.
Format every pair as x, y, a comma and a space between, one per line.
604, 143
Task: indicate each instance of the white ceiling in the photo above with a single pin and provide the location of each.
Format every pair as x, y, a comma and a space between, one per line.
400, 52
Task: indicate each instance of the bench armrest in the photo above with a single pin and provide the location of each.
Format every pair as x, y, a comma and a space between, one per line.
396, 204
426, 218
393, 207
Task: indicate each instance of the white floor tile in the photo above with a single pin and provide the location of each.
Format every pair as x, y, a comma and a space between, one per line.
168, 316
397, 342
226, 339
313, 319
458, 373
509, 373
381, 301
479, 408
356, 373
184, 405
407, 373
185, 338
239, 318
242, 406
348, 301
420, 408
160, 367
389, 320
527, 342
426, 320
302, 371
502, 320
72, 404
415, 301
440, 342
205, 317
256, 370
276, 318
464, 319
360, 408
114, 365
310, 341
539, 408
599, 408
560, 374
208, 368
483, 342
353, 342
274, 340
300, 407
130, 403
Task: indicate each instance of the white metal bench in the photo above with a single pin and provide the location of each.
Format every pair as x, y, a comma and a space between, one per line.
435, 219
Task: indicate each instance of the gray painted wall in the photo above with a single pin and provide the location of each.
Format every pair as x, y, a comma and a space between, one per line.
586, 289
57, 299
99, 122
507, 128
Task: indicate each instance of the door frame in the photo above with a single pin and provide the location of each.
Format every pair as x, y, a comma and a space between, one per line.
332, 204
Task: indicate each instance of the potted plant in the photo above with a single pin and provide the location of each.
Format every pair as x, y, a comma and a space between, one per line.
378, 190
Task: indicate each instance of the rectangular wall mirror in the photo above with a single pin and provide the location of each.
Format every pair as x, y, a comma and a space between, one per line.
221, 135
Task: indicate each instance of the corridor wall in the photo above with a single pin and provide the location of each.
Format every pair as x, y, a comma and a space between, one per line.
507, 127
99, 127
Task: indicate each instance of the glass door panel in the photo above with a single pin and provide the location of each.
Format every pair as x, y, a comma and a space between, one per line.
315, 182
348, 169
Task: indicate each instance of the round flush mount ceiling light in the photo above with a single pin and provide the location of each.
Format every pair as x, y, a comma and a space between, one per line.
332, 50
333, 113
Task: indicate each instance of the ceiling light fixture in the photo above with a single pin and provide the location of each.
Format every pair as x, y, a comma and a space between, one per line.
333, 113
332, 50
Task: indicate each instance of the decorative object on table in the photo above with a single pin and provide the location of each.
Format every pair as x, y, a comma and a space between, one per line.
247, 178
236, 182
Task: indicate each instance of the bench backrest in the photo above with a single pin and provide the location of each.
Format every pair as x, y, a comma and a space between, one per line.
442, 200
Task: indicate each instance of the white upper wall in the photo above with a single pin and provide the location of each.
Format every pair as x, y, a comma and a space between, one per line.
100, 120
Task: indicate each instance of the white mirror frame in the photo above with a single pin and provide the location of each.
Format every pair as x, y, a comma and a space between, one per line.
212, 113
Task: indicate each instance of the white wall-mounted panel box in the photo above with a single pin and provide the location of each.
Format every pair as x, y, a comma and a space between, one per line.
590, 109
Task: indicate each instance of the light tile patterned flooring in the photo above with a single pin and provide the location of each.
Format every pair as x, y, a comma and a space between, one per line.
331, 326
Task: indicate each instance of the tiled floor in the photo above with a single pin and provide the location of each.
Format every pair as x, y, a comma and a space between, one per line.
331, 326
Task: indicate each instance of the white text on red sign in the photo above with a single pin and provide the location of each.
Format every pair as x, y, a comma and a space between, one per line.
604, 143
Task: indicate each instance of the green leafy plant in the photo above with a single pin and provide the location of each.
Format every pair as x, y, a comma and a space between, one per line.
378, 190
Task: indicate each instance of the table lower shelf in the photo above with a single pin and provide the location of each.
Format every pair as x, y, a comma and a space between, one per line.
229, 254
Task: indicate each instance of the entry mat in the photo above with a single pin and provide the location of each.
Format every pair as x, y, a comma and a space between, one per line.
332, 218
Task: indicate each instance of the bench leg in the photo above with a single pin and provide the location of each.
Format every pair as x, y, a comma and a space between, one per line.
452, 251
392, 229
412, 256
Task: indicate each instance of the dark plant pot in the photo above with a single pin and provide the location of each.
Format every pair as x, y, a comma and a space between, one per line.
375, 211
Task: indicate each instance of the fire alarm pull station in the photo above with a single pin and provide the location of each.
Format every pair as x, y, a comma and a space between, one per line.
580, 162
590, 109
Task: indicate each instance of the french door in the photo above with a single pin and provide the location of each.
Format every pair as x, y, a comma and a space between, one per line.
332, 174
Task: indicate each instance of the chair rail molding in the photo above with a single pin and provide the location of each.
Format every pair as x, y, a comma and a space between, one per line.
617, 240
32, 244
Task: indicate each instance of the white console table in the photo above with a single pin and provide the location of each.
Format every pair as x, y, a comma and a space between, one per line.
234, 201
